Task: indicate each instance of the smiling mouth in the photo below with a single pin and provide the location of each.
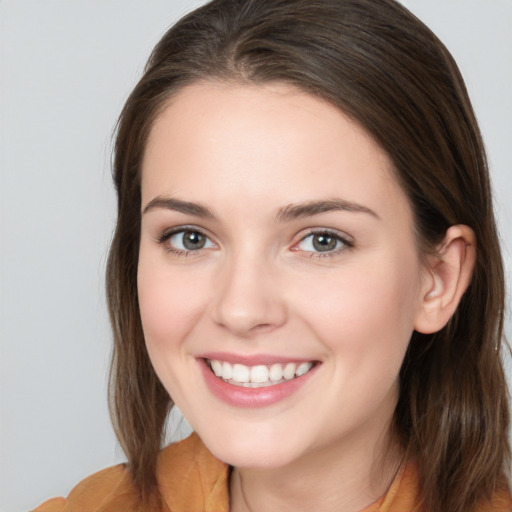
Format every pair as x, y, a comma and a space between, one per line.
258, 376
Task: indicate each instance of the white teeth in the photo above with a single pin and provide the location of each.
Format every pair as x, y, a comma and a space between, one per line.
240, 373
227, 371
259, 375
303, 368
217, 368
276, 372
289, 371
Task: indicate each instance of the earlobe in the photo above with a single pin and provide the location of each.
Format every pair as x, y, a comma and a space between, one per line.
447, 278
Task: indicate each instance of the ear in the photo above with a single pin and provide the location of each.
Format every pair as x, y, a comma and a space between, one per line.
447, 277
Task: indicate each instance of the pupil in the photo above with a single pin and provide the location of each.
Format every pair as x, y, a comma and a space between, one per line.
324, 242
193, 240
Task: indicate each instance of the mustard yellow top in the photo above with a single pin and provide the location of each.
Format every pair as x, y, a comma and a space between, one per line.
191, 479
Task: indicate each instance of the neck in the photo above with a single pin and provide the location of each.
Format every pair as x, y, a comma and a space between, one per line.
348, 476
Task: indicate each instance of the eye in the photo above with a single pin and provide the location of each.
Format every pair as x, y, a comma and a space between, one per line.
323, 242
186, 240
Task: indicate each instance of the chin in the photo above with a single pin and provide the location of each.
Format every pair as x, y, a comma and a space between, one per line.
254, 452
251, 458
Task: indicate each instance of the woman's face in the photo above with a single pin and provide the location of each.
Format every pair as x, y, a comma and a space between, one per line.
275, 241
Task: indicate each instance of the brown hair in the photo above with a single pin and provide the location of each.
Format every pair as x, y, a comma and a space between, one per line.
379, 64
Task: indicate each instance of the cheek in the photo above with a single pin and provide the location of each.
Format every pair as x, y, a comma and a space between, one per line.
169, 301
367, 311
170, 305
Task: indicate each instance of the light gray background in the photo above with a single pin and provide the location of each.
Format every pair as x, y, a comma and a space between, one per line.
65, 69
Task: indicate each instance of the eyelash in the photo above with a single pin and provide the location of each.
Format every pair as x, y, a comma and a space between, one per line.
346, 243
167, 235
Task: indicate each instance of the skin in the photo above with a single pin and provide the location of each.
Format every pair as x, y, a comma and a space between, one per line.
259, 287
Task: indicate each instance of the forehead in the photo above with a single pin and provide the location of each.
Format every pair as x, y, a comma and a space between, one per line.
228, 142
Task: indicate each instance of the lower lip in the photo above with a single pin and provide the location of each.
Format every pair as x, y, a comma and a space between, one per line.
240, 396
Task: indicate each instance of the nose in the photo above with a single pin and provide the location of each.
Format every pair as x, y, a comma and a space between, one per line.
249, 297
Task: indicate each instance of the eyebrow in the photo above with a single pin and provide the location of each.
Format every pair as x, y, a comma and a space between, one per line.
310, 208
287, 213
186, 207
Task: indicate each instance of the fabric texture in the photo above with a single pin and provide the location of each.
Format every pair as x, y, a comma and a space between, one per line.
191, 479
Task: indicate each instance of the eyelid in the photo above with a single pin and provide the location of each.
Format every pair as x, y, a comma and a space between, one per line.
167, 234
346, 240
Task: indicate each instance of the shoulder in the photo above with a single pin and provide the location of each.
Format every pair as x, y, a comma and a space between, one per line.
92, 492
187, 472
405, 494
191, 478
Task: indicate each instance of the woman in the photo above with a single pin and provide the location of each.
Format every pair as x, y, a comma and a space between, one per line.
306, 263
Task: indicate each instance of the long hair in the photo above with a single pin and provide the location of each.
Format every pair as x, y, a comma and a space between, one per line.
385, 69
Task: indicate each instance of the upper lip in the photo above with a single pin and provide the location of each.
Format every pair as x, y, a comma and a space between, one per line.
253, 359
